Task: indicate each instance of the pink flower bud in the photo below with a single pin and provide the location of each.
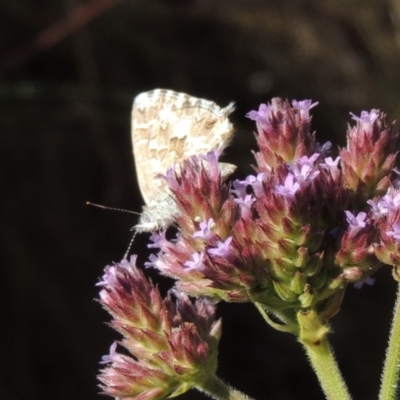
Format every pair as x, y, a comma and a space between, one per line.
174, 341
369, 157
283, 132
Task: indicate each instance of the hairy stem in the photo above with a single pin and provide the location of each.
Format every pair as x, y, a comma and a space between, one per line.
390, 375
219, 390
324, 364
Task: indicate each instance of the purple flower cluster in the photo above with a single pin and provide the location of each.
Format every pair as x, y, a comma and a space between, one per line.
292, 236
369, 157
171, 342
289, 238
386, 212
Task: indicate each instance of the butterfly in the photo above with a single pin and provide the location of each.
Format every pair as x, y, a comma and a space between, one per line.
167, 128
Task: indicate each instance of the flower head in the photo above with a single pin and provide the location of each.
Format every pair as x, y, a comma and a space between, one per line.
295, 234
283, 132
279, 237
356, 255
289, 238
369, 157
386, 212
272, 248
200, 193
172, 342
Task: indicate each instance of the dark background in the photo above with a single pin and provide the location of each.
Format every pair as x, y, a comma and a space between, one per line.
69, 71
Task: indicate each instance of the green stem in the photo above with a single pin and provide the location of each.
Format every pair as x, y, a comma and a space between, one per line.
219, 390
287, 326
390, 375
324, 364
313, 336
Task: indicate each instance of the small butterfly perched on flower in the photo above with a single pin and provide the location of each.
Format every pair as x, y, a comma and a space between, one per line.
167, 128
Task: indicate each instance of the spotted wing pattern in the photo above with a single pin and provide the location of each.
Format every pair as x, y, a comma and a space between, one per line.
168, 127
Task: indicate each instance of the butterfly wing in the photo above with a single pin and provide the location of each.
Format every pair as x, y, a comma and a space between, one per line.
168, 127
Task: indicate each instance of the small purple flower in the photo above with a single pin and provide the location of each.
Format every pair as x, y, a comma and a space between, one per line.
113, 356
332, 166
305, 160
109, 277
245, 205
170, 178
378, 208
356, 221
262, 115
240, 187
395, 232
389, 202
367, 122
303, 169
289, 188
330, 163
367, 281
256, 182
304, 106
159, 240
196, 263
366, 118
206, 230
212, 159
246, 201
223, 249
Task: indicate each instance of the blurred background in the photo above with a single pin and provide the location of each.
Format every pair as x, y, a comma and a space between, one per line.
69, 71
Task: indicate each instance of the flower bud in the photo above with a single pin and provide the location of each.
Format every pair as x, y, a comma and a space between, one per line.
199, 192
283, 132
369, 157
175, 341
387, 214
356, 253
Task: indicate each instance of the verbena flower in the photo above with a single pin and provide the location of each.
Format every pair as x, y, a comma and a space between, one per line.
283, 132
287, 237
369, 157
171, 343
387, 214
356, 254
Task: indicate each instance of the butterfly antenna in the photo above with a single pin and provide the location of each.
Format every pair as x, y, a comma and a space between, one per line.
130, 245
89, 203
